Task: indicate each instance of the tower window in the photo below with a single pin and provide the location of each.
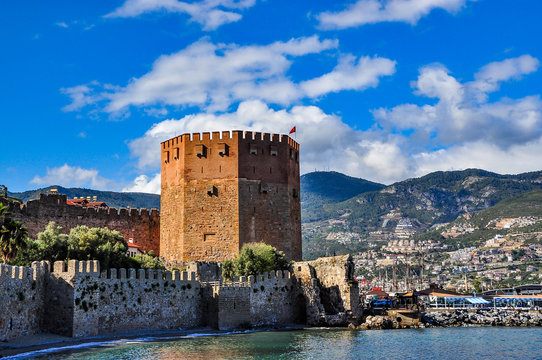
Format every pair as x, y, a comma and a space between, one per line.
253, 149
166, 159
176, 156
212, 190
223, 149
264, 187
273, 150
201, 151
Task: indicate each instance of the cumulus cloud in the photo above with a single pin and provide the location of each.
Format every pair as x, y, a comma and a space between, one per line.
326, 140
462, 113
144, 184
374, 11
67, 175
480, 154
350, 74
214, 76
211, 14
461, 130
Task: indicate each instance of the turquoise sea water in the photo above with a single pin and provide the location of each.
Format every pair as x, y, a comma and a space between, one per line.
436, 343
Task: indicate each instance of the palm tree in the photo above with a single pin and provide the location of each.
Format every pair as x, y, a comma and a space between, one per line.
12, 235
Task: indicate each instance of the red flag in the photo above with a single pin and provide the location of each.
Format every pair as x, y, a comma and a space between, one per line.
292, 131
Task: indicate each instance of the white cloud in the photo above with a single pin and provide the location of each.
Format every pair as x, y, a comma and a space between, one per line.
461, 130
326, 140
144, 184
67, 175
81, 96
350, 75
374, 11
211, 14
214, 76
62, 24
462, 113
517, 158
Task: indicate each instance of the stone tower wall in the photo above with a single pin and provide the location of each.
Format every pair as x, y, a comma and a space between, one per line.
143, 226
222, 190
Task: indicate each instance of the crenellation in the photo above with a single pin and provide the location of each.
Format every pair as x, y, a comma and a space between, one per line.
112, 274
176, 276
122, 273
141, 274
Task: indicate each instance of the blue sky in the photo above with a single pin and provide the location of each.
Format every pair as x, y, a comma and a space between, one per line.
383, 90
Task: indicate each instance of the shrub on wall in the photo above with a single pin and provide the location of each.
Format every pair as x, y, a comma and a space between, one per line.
254, 259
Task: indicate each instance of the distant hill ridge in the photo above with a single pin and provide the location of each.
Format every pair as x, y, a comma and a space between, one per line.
113, 199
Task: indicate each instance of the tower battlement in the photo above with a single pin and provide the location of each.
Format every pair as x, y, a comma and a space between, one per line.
221, 190
217, 136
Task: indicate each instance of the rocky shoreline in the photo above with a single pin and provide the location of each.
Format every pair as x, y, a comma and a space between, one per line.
453, 318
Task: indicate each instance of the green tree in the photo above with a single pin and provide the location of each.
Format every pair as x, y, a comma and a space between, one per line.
12, 235
148, 261
102, 244
255, 258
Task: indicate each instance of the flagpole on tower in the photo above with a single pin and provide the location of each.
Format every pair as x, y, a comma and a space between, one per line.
293, 130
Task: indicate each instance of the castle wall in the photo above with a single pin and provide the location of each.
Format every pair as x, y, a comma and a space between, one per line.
77, 299
331, 292
212, 186
130, 299
21, 299
257, 301
140, 225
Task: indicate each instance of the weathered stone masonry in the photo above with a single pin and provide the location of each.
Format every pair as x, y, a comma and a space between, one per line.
223, 190
78, 300
143, 226
22, 291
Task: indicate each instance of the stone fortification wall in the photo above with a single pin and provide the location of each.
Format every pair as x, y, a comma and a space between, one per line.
129, 299
222, 190
77, 299
329, 285
21, 299
270, 299
143, 226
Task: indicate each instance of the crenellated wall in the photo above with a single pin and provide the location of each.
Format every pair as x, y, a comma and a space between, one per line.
141, 225
77, 299
270, 299
21, 299
222, 190
128, 299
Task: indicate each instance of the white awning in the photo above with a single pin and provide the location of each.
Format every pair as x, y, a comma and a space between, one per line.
477, 300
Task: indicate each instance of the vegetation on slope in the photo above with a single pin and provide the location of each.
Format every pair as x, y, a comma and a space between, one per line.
321, 188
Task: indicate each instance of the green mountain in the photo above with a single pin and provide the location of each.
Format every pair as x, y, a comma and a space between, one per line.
113, 199
413, 204
323, 188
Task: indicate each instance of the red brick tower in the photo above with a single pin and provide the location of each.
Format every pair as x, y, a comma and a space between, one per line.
223, 190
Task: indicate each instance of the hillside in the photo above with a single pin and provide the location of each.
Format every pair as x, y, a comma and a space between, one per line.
517, 215
113, 199
323, 188
413, 204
